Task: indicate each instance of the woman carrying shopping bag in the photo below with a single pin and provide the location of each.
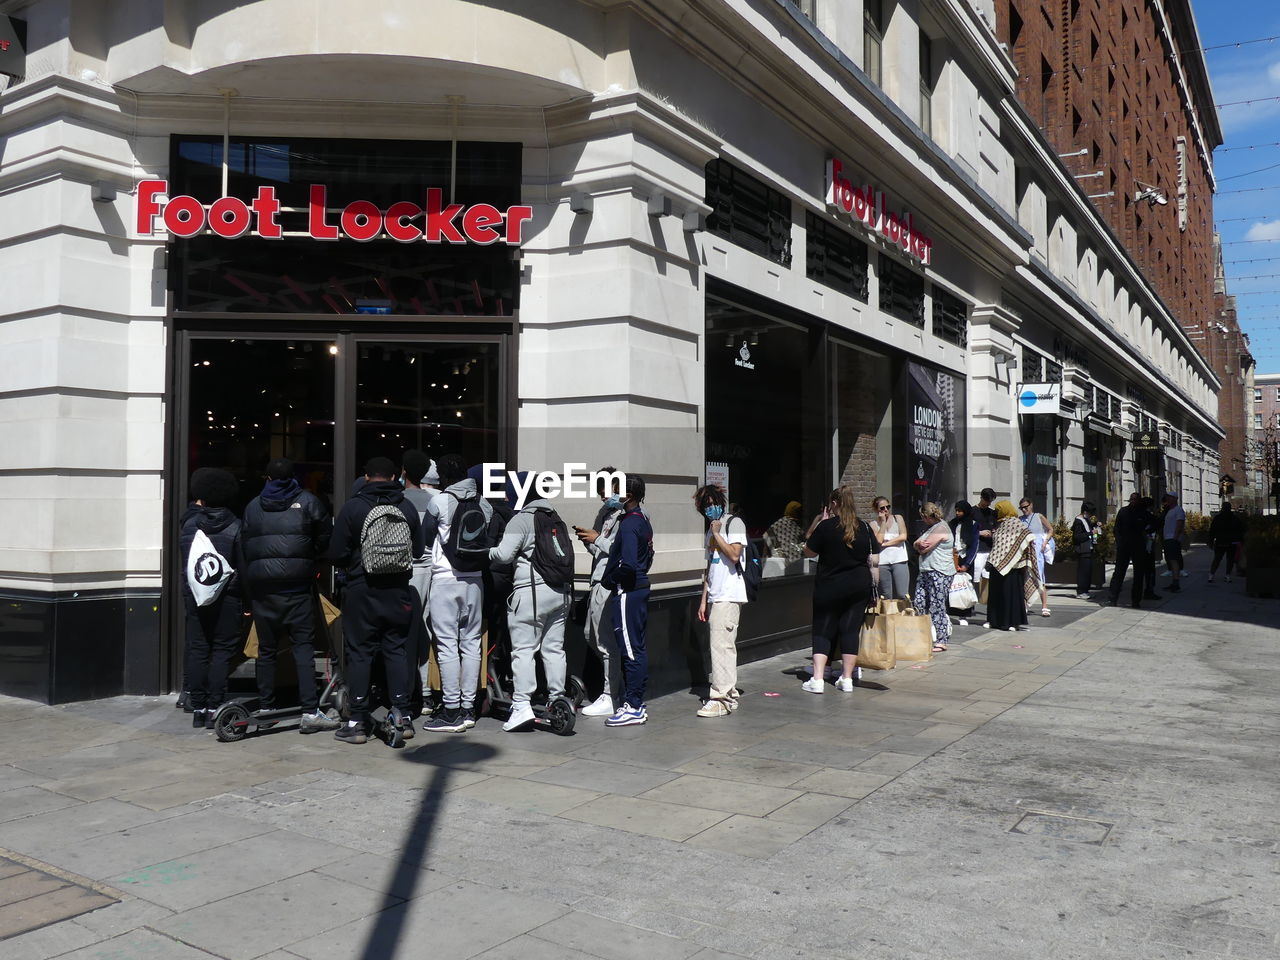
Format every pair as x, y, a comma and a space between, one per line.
964, 531
937, 567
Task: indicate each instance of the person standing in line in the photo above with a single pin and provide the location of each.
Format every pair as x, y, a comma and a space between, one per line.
414, 467
457, 599
599, 626
1084, 537
1131, 543
1173, 524
936, 548
984, 520
627, 574
1012, 560
1226, 533
843, 545
724, 593
785, 537
964, 532
1149, 557
379, 604
286, 533
890, 532
213, 631
1042, 532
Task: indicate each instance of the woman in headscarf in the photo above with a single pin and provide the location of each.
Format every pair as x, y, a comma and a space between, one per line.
785, 536
1011, 570
964, 531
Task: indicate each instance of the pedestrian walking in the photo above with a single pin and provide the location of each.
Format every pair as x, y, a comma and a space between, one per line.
724, 593
1084, 539
1042, 532
599, 624
286, 532
462, 521
375, 537
210, 544
843, 545
937, 568
537, 542
1226, 533
627, 575
964, 533
890, 532
1011, 562
1173, 524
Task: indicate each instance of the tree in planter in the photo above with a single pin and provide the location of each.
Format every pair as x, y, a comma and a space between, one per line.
1262, 556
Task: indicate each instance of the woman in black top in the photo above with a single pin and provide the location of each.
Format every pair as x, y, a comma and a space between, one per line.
842, 589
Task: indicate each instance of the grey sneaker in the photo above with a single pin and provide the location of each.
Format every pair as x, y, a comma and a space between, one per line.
468, 717
316, 722
448, 720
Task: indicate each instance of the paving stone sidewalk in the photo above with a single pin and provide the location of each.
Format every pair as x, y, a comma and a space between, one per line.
1100, 785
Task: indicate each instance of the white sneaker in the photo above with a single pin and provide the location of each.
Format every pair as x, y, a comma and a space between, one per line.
521, 716
602, 706
813, 685
845, 684
961, 622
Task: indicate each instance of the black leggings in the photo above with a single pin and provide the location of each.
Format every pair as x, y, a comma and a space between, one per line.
839, 622
1227, 550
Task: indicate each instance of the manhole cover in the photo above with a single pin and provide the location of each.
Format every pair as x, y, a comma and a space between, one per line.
32, 897
1073, 829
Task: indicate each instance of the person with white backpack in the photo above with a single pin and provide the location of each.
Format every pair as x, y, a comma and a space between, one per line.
210, 547
724, 593
375, 538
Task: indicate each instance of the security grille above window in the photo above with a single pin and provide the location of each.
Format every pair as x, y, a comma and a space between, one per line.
749, 213
1032, 366
835, 258
950, 318
1052, 371
901, 291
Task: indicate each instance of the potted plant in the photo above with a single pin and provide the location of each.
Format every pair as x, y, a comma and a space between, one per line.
1262, 557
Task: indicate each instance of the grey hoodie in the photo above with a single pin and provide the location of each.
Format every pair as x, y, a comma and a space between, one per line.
518, 541
440, 513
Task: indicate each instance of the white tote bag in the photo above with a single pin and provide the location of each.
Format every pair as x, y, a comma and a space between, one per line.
962, 596
207, 570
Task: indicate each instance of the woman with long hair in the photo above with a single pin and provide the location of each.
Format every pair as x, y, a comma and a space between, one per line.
964, 533
1042, 533
937, 568
1011, 570
891, 534
843, 545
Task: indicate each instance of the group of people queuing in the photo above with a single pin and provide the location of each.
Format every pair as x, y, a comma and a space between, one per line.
422, 560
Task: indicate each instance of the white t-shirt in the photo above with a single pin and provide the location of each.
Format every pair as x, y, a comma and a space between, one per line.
724, 580
1171, 522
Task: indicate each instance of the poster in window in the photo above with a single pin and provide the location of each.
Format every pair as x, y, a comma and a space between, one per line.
935, 438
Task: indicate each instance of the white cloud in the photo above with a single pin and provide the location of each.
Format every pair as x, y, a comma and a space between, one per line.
1264, 231
1274, 72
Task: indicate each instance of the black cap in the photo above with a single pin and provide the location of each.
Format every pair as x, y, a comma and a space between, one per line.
213, 486
416, 464
380, 467
280, 469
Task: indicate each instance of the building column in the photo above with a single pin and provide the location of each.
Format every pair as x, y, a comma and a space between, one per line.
994, 446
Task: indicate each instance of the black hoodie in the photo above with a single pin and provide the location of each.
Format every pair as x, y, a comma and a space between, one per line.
286, 531
344, 548
222, 527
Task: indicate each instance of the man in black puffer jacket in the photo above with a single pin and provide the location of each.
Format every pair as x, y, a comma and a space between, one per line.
286, 531
213, 630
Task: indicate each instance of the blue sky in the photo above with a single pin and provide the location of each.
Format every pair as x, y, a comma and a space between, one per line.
1250, 71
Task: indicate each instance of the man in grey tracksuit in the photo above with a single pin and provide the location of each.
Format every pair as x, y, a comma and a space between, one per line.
599, 625
456, 604
535, 617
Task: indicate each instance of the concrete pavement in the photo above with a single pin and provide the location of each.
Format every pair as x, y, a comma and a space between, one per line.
1101, 785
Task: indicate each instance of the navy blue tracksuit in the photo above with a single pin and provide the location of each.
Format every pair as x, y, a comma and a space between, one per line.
627, 575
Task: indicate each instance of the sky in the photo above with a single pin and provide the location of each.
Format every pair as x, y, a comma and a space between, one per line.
1248, 160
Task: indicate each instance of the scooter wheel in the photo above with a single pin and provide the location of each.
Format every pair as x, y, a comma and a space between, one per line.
576, 692
342, 703
231, 723
561, 714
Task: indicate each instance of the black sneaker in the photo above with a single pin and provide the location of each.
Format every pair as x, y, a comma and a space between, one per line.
197, 719
468, 717
448, 720
352, 733
181, 702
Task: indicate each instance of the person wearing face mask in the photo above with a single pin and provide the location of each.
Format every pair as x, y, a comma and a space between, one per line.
599, 626
724, 591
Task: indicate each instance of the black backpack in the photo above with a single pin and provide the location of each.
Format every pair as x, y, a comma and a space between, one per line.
471, 534
552, 549
751, 564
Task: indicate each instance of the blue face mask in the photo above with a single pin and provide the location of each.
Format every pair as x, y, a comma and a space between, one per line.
713, 512
614, 502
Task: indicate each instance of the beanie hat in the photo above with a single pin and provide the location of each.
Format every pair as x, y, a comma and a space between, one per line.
213, 486
432, 478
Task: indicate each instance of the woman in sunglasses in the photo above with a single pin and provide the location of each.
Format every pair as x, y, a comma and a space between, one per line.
891, 534
1042, 534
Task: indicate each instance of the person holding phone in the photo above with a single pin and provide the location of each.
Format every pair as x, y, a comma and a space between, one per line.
890, 531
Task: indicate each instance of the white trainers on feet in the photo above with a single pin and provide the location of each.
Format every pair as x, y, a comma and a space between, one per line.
714, 708
814, 685
521, 716
602, 706
845, 684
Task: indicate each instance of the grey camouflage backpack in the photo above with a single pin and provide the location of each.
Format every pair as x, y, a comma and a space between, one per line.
386, 543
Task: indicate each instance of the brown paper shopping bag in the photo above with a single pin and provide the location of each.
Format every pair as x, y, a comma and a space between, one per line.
876, 643
912, 635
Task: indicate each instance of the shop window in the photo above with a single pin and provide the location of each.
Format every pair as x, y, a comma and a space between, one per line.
808, 8
1032, 366
935, 439
835, 258
747, 212
901, 291
862, 422
1052, 371
926, 84
297, 274
872, 38
950, 318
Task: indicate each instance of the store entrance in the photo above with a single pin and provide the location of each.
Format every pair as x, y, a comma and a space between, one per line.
329, 402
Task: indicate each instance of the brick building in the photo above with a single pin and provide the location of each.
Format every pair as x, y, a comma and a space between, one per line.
1265, 425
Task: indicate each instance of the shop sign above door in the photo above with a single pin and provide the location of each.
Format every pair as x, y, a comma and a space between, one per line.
1039, 397
1147, 441
870, 208
363, 220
